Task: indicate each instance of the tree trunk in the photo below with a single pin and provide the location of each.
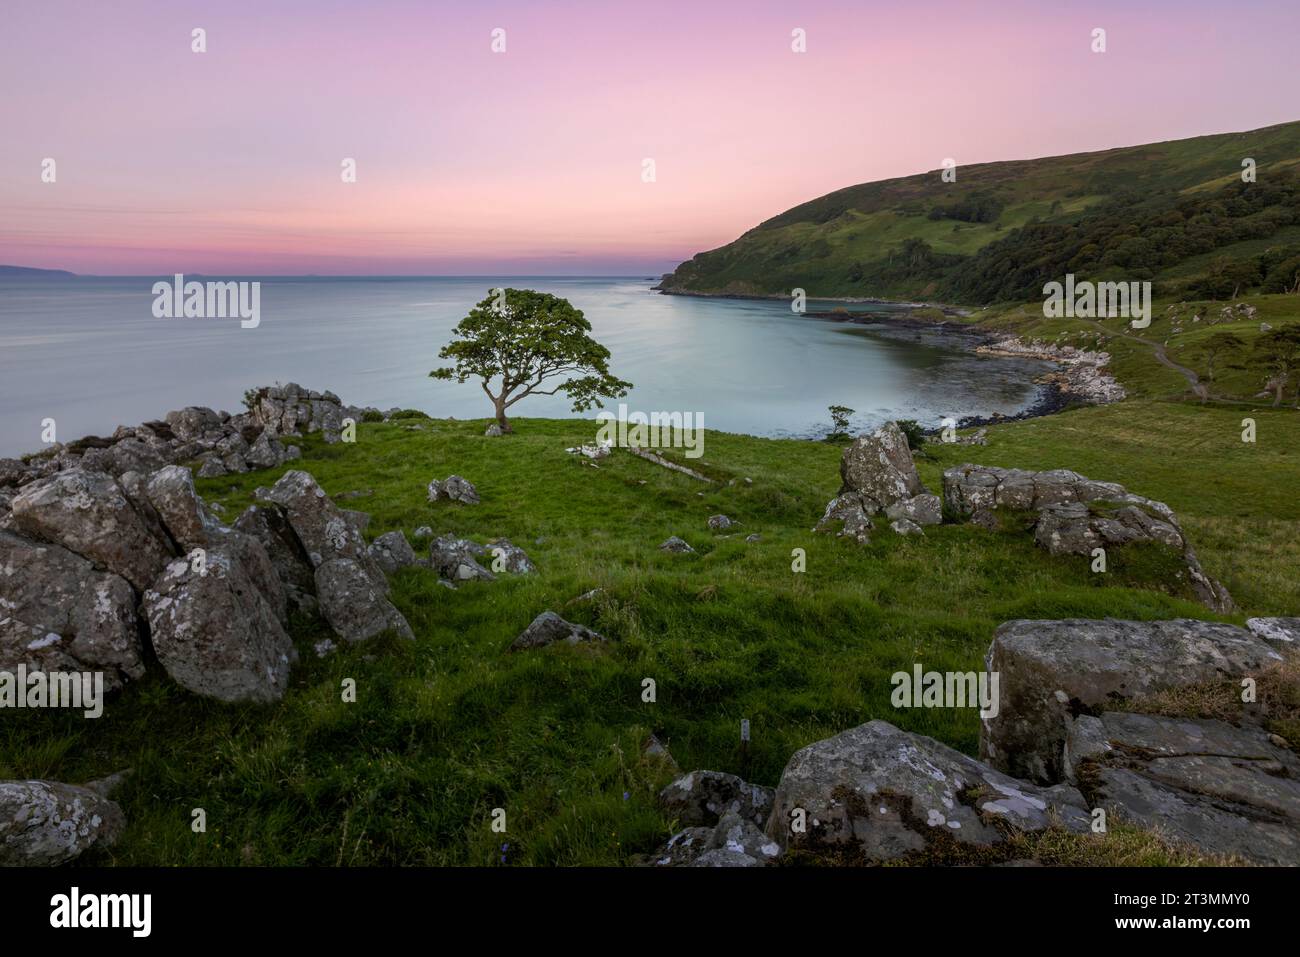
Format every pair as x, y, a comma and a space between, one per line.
500, 405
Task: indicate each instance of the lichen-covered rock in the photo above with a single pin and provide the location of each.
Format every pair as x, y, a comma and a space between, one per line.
267, 523
456, 559
1221, 788
677, 545
876, 793
57, 613
355, 606
847, 517
292, 410
1049, 670
548, 628
171, 493
266, 452
879, 467
720, 523
453, 489
923, 509
1280, 632
325, 530
193, 423
733, 842
392, 552
88, 513
46, 823
213, 627
509, 558
703, 798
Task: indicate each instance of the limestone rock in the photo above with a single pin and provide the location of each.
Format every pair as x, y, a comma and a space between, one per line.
1280, 632
703, 798
456, 559
847, 517
269, 525
392, 552
1049, 669
46, 823
88, 513
355, 606
677, 545
879, 467
453, 489
878, 793
324, 529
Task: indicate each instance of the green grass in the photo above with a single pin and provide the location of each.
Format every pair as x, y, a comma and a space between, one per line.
451, 726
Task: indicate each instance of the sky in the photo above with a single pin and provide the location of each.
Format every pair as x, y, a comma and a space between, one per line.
531, 161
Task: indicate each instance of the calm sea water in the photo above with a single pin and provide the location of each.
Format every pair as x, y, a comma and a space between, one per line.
88, 353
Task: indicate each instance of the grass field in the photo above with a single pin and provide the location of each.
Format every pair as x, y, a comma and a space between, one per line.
451, 726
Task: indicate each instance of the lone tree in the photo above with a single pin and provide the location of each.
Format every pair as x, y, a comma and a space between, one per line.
526, 341
1221, 344
1278, 353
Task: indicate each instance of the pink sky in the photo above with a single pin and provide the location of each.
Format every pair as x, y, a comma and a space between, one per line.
530, 161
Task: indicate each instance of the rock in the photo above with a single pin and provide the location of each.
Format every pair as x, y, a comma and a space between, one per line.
751, 539
424, 531
211, 466
683, 848
847, 517
1080, 372
1050, 669
1280, 632
171, 492
268, 524
392, 552
509, 558
45, 823
878, 794
12, 472
456, 559
267, 452
325, 530
60, 614
903, 526
600, 451
493, 431
1076, 515
652, 749
293, 410
193, 423
704, 797
110, 784
1225, 790
354, 605
720, 523
454, 489
923, 509
677, 545
89, 514
733, 842
215, 631
548, 628
358, 519
879, 467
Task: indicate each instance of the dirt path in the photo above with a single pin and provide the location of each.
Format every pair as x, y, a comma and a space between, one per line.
1198, 387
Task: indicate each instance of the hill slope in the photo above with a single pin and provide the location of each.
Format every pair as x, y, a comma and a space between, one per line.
1177, 213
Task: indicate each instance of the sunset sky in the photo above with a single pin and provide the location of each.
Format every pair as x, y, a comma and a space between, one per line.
529, 161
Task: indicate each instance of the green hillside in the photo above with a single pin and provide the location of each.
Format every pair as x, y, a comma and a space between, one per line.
1176, 213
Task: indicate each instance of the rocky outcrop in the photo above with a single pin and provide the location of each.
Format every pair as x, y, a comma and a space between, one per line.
876, 793
355, 604
1050, 670
1076, 514
1224, 789
216, 628
89, 513
57, 613
268, 524
703, 798
323, 528
45, 823
171, 492
878, 475
1080, 373
453, 489
292, 410
549, 628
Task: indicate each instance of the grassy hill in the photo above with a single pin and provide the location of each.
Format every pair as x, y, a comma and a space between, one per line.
1176, 213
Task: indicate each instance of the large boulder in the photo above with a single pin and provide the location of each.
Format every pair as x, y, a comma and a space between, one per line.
46, 823
193, 424
876, 793
324, 529
354, 604
1050, 670
171, 492
1221, 788
1076, 514
89, 513
57, 613
879, 467
703, 798
267, 523
214, 628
